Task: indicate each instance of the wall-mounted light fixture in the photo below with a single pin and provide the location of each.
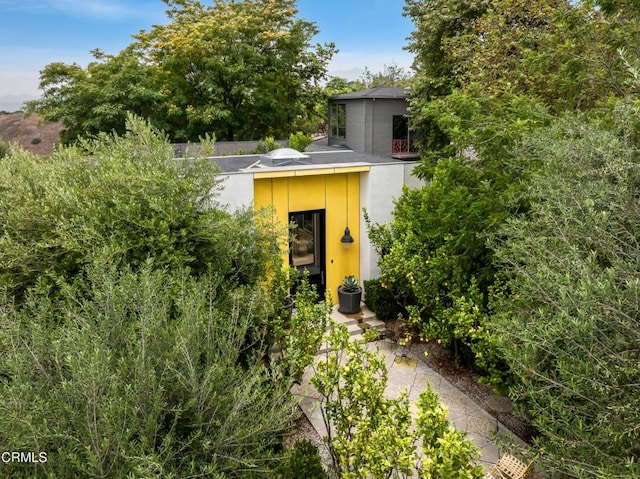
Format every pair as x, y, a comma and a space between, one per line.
347, 240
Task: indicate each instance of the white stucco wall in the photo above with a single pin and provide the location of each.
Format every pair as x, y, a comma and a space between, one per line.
410, 180
237, 190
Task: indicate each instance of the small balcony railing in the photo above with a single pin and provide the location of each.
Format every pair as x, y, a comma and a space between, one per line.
402, 146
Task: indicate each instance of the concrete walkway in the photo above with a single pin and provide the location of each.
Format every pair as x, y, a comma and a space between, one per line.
411, 373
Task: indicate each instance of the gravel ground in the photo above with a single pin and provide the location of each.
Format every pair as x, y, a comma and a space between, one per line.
442, 361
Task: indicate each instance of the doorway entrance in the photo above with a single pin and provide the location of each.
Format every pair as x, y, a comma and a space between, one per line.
307, 251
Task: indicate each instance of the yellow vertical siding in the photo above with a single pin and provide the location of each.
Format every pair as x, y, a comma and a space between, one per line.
307, 193
328, 192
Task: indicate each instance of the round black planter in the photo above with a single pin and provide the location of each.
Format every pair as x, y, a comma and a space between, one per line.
349, 301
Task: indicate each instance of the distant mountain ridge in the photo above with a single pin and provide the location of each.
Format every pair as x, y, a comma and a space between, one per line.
30, 132
12, 103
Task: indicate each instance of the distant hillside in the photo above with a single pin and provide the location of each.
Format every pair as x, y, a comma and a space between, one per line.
30, 132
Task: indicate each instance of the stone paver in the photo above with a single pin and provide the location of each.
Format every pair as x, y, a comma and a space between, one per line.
407, 372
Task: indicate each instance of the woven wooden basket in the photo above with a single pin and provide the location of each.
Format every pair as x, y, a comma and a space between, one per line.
510, 467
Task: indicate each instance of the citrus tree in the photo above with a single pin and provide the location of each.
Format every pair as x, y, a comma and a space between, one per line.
370, 435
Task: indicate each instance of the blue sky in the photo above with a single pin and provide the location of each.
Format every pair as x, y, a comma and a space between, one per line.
34, 33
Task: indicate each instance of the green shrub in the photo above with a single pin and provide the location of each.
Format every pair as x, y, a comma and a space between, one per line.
132, 331
259, 149
299, 141
370, 435
271, 144
381, 300
81, 211
302, 461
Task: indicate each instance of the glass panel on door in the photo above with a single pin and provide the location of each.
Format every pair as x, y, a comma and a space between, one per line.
307, 248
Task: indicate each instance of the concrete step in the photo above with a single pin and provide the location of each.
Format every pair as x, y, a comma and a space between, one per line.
362, 315
356, 325
375, 323
354, 329
345, 319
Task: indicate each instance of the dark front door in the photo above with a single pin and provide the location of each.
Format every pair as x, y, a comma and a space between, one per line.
307, 248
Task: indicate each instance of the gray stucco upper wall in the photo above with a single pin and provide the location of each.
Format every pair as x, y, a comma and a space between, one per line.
369, 123
383, 111
356, 112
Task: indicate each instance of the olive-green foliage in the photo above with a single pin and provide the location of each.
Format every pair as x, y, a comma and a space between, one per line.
372, 436
391, 75
302, 461
563, 53
98, 98
122, 198
381, 300
436, 22
433, 255
300, 335
569, 329
138, 374
299, 141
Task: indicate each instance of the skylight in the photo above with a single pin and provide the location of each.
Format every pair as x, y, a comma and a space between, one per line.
284, 157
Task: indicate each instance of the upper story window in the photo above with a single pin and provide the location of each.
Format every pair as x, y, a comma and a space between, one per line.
338, 120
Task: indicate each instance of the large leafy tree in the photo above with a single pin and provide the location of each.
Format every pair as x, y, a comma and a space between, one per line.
511, 65
240, 70
97, 98
487, 74
391, 75
565, 54
559, 51
570, 327
436, 22
433, 255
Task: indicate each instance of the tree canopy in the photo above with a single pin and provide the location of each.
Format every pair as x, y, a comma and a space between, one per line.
560, 53
239, 70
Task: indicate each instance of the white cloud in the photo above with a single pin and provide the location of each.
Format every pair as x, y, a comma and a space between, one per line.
22, 83
102, 9
351, 64
94, 8
20, 74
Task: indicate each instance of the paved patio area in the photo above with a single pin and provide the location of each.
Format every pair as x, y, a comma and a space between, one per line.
410, 373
